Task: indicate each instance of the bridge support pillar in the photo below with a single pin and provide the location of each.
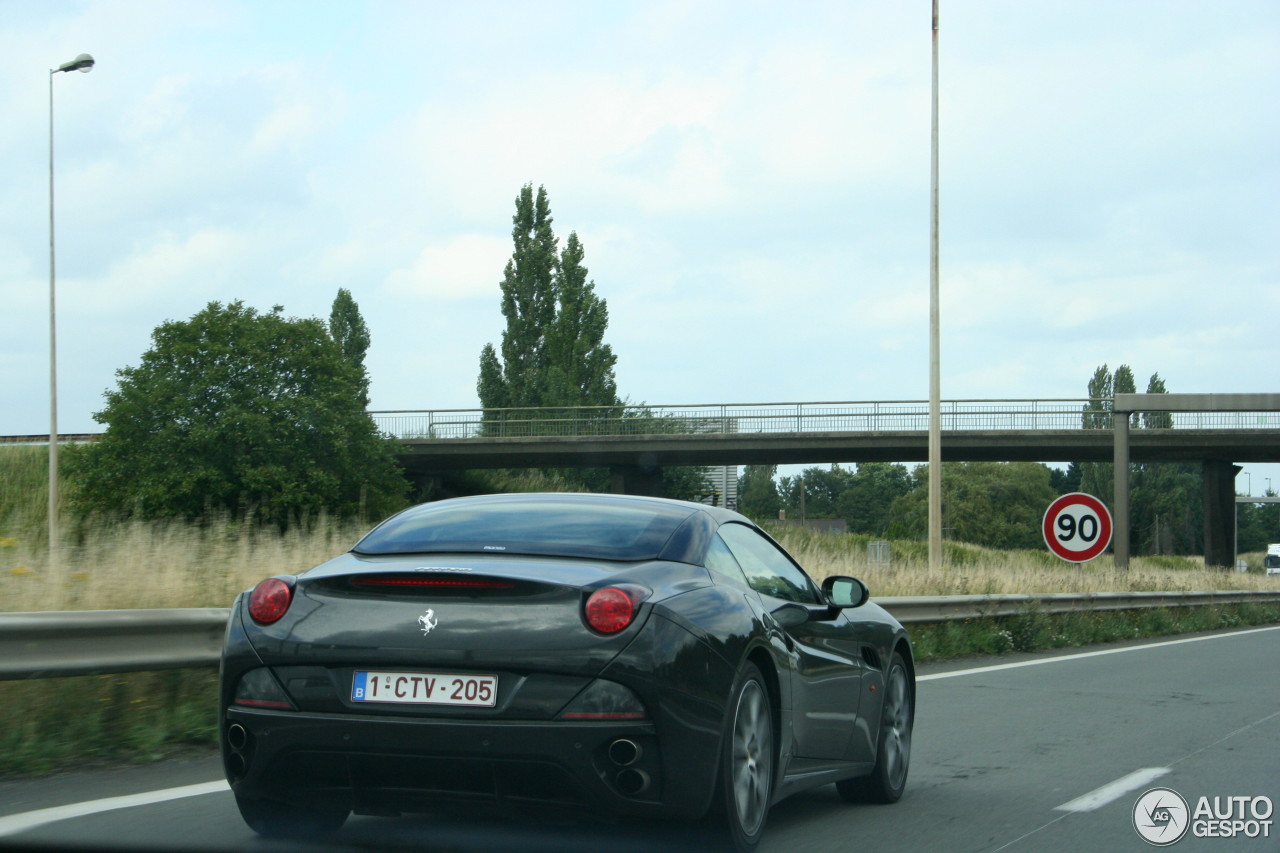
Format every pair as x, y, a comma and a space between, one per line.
1120, 494
636, 480
1219, 480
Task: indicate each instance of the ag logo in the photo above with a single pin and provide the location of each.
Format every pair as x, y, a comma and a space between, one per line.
428, 621
1161, 816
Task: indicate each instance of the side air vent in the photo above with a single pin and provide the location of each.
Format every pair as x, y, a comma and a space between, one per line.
871, 657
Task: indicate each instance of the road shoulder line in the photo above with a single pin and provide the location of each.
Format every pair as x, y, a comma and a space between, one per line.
15, 823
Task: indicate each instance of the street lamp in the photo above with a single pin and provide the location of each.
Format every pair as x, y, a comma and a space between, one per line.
82, 63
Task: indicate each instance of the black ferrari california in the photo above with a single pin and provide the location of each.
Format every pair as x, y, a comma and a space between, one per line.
610, 654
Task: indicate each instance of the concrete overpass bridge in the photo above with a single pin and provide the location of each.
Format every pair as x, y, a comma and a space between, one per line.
635, 442
636, 439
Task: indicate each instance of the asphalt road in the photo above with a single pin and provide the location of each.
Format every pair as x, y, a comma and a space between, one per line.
1006, 752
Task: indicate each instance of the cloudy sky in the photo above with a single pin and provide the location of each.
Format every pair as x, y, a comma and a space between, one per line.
750, 182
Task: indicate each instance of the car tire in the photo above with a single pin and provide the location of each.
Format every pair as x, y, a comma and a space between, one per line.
893, 747
288, 820
747, 755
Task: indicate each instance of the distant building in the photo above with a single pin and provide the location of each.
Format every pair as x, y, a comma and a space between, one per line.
722, 480
722, 486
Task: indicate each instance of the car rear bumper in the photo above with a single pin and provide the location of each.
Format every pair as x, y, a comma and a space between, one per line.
381, 765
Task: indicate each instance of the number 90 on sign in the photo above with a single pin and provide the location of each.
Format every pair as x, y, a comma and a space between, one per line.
1077, 527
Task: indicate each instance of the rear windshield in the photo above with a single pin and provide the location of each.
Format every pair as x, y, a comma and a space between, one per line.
544, 525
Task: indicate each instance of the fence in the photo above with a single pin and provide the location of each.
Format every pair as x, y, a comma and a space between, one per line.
728, 418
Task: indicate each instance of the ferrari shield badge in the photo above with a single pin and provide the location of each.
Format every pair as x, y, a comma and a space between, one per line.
427, 621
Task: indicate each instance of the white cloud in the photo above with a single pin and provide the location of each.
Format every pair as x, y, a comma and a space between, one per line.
750, 184
467, 267
166, 265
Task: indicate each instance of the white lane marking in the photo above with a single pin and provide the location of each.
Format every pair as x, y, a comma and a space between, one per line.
1060, 658
15, 823
1113, 790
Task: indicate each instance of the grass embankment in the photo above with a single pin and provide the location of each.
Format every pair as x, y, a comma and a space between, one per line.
105, 564
972, 570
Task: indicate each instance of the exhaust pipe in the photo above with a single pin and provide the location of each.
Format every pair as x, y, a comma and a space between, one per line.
237, 765
237, 736
632, 781
624, 752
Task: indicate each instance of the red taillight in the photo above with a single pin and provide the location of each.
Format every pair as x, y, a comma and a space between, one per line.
269, 600
611, 609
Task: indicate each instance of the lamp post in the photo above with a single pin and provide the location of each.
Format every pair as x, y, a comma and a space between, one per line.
82, 63
935, 370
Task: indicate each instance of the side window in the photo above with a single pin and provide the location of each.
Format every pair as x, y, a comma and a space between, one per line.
768, 570
720, 560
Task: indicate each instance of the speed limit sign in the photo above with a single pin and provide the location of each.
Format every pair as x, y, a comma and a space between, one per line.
1077, 527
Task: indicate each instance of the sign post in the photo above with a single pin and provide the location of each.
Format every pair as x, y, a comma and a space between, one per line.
1077, 527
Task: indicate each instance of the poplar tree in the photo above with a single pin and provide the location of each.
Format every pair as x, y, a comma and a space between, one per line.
1165, 512
349, 330
519, 378
553, 351
579, 362
1097, 478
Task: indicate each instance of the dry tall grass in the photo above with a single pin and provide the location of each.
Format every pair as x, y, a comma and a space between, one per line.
105, 564
170, 564
972, 570
159, 564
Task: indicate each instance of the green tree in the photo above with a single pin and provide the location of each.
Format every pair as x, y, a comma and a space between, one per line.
1098, 478
553, 352
1166, 515
351, 333
1065, 482
866, 501
529, 288
821, 489
579, 363
1166, 508
1097, 410
1156, 420
1259, 525
758, 493
1123, 383
996, 504
254, 414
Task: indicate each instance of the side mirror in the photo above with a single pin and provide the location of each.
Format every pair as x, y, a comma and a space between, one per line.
844, 591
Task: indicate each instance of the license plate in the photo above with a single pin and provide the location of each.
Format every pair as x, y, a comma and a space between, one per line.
425, 688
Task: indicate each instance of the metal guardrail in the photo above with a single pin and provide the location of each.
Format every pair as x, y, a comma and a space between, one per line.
917, 610
47, 645
731, 418
85, 642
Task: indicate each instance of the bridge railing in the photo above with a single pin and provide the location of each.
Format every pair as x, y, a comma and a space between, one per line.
727, 418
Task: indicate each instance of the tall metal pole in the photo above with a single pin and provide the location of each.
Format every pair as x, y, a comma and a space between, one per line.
84, 63
53, 355
935, 381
